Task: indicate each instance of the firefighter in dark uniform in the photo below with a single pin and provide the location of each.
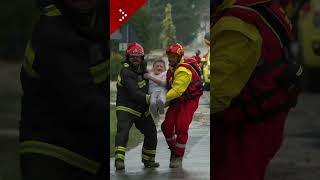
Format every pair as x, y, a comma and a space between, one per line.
63, 132
132, 106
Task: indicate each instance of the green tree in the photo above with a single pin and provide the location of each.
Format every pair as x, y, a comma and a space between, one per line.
190, 11
141, 22
168, 34
146, 26
115, 66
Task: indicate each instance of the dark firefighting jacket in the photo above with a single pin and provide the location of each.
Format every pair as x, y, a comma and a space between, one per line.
64, 102
132, 91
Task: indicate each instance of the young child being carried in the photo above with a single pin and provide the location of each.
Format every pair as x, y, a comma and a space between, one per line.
157, 87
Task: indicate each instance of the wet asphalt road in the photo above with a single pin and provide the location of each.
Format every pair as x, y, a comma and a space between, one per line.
299, 157
196, 160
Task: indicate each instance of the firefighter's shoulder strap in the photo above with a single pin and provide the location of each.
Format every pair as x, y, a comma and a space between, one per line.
191, 66
272, 20
196, 70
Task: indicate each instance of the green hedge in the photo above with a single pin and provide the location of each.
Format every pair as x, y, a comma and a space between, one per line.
115, 65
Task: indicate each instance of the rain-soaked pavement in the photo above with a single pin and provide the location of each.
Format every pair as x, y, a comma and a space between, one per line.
196, 162
299, 157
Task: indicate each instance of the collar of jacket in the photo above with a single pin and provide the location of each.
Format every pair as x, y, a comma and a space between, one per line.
83, 19
86, 25
174, 68
229, 3
138, 69
225, 5
51, 10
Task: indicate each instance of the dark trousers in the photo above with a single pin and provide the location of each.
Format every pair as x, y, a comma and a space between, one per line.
40, 167
145, 125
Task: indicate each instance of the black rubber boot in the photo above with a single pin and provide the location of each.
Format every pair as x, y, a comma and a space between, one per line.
119, 164
151, 164
176, 163
172, 155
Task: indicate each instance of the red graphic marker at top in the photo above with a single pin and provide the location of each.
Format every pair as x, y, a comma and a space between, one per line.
122, 10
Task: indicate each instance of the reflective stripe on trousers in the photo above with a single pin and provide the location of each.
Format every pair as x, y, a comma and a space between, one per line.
171, 138
180, 145
148, 155
61, 153
120, 152
132, 111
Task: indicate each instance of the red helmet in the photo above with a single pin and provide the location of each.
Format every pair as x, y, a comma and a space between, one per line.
135, 49
176, 49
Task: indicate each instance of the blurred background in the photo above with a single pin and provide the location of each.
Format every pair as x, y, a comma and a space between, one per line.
156, 25
16, 18
299, 156
305, 15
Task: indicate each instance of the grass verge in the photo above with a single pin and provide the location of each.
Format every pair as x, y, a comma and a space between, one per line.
9, 159
135, 137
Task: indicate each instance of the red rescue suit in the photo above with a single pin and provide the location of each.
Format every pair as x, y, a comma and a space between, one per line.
180, 112
250, 131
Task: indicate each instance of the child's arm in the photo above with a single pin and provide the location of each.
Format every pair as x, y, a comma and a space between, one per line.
162, 83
